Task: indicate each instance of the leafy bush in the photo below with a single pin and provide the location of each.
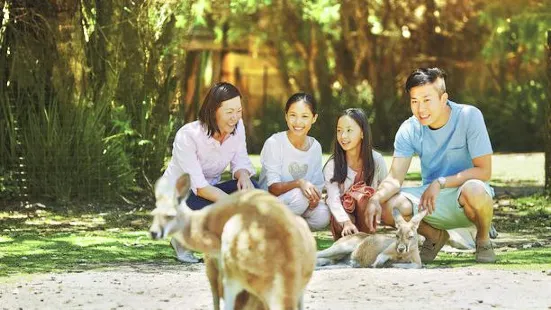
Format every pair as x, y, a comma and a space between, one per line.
67, 155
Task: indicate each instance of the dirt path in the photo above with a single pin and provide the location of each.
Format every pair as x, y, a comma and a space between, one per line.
186, 287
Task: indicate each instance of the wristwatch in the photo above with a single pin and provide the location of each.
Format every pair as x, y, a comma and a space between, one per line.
442, 182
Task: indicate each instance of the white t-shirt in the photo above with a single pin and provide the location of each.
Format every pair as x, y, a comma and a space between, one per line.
282, 162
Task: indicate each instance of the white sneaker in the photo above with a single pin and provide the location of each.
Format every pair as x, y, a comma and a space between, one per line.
182, 254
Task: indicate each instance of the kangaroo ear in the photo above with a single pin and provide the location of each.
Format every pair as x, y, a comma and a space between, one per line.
182, 186
398, 217
161, 187
418, 217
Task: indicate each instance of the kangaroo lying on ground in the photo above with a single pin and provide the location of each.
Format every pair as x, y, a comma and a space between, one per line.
251, 241
365, 250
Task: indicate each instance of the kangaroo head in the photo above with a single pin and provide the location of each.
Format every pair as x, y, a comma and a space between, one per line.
170, 202
406, 235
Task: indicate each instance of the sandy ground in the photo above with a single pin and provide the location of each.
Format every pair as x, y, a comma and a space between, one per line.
186, 287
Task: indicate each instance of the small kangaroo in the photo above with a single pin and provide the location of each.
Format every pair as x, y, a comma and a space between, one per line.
365, 250
259, 255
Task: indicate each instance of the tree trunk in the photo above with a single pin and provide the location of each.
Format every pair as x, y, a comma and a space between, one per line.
547, 133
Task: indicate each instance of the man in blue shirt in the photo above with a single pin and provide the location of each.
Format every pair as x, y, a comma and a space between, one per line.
456, 163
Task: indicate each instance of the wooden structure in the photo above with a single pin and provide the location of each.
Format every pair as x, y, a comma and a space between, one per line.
253, 70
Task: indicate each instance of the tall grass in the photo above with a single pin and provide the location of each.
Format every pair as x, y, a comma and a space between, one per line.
79, 151
146, 139
8, 145
67, 156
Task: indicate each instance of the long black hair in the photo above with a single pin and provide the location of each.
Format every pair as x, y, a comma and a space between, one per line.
218, 93
366, 151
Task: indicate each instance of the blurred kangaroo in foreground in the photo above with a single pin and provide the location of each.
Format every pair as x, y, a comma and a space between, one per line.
258, 254
365, 250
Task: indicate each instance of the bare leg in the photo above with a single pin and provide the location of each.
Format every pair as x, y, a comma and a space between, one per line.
478, 207
399, 202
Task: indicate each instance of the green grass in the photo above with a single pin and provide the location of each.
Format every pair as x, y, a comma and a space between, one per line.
532, 259
55, 243
32, 253
519, 169
508, 258
94, 238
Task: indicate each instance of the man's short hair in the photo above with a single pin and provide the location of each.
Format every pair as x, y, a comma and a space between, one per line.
423, 76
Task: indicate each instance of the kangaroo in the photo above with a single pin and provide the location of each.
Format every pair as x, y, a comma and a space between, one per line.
251, 241
365, 250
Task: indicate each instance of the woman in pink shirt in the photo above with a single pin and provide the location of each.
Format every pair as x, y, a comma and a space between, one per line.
205, 147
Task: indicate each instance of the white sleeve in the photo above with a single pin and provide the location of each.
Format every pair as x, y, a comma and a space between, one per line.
241, 158
317, 161
184, 155
380, 169
271, 158
333, 200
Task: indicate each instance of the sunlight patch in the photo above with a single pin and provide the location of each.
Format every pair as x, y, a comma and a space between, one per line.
5, 239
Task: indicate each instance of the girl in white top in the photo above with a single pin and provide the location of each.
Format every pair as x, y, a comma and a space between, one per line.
292, 163
353, 161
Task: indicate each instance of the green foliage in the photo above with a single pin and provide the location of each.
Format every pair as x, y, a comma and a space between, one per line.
97, 239
133, 58
263, 129
9, 188
9, 131
514, 114
325, 13
512, 88
95, 118
144, 139
66, 155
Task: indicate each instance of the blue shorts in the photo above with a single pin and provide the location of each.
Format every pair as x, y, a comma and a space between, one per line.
449, 213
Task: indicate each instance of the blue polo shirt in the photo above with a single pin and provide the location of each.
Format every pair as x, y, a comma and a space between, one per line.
447, 150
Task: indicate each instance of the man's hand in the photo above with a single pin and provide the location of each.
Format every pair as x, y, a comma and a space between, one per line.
348, 228
428, 199
373, 212
244, 182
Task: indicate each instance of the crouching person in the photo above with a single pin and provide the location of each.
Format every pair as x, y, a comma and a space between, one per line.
351, 174
291, 163
456, 162
204, 148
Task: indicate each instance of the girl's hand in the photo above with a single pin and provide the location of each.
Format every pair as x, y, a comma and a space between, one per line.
312, 204
348, 228
310, 191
